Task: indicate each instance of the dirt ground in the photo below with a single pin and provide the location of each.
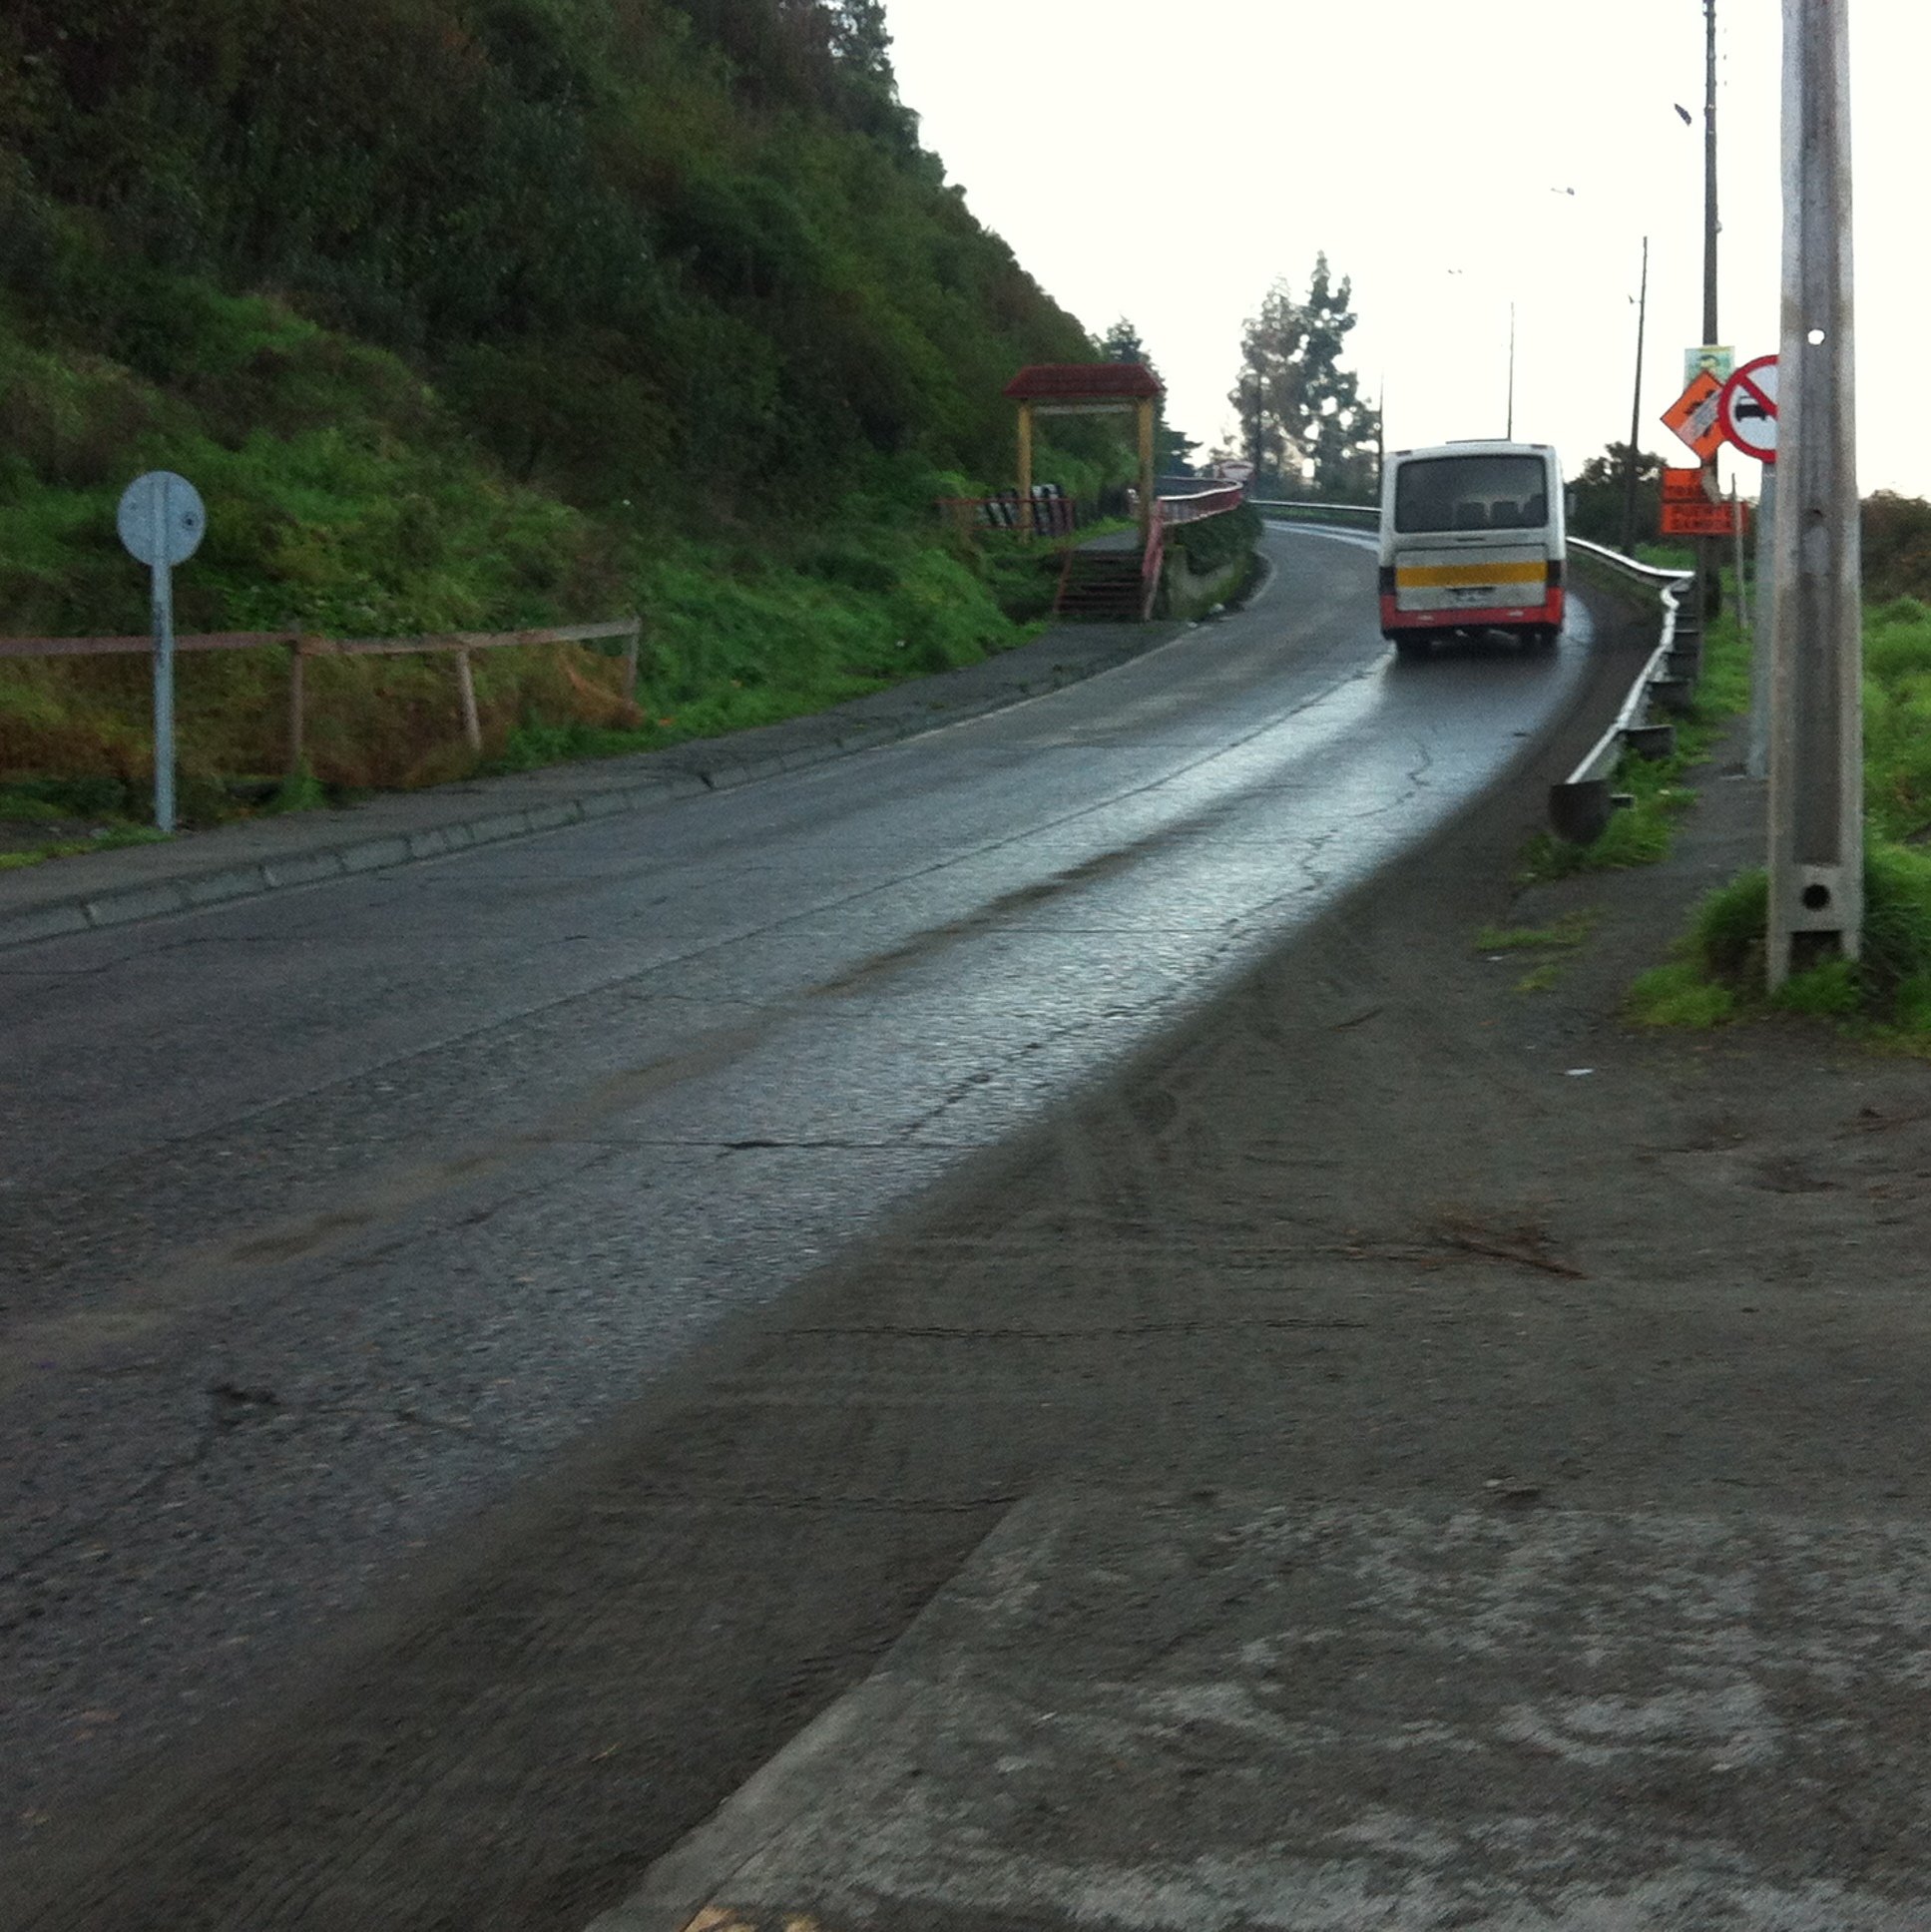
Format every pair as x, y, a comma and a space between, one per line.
1379, 1230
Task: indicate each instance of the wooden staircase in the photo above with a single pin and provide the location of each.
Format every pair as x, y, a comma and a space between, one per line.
1104, 585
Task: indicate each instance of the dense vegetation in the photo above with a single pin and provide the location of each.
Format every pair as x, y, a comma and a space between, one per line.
1719, 973
486, 312
1598, 493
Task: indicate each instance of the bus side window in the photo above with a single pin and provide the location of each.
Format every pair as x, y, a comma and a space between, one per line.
1471, 515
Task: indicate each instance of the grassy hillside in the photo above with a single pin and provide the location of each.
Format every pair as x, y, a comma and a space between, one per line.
486, 312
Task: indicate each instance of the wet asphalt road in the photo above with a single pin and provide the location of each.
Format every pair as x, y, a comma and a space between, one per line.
325, 1216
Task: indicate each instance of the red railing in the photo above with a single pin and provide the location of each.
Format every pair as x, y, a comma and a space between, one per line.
1153, 561
1179, 509
1059, 516
1202, 503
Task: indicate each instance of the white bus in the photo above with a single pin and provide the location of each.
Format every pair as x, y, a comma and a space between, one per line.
1472, 539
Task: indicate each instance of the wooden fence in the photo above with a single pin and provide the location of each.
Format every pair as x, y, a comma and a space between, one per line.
301, 647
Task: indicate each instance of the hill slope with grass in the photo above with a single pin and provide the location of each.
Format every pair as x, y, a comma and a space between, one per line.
484, 313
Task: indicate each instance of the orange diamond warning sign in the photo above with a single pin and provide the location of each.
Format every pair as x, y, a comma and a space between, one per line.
1695, 417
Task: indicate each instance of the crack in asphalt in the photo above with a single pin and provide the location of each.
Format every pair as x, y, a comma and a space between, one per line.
964, 1089
1111, 858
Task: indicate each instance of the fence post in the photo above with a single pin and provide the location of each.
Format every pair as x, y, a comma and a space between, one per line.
466, 689
296, 675
629, 660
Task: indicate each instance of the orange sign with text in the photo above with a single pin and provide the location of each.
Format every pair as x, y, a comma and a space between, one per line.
1698, 517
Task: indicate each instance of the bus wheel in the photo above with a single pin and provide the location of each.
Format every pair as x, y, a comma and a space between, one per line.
1410, 645
1544, 637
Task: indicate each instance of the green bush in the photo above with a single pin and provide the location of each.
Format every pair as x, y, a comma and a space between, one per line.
1215, 542
1896, 546
1678, 995
1832, 990
1727, 935
1725, 953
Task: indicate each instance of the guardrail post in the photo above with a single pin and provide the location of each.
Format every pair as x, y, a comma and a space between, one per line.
1687, 651
466, 689
1580, 810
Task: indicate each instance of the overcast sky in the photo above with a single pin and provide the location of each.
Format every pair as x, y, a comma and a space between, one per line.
1166, 162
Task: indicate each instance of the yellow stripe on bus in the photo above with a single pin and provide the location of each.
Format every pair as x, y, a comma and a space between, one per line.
1420, 577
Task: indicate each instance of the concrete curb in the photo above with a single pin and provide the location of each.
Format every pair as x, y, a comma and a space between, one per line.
49, 901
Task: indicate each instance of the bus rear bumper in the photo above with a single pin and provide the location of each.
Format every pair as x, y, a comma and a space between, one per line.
1545, 615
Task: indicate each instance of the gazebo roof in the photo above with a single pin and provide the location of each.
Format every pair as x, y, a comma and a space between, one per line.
1084, 382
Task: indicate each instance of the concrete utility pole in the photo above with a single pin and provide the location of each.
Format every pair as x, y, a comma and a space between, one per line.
1709, 582
1635, 410
1816, 843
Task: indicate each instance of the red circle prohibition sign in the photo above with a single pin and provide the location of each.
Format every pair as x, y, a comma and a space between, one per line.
1747, 409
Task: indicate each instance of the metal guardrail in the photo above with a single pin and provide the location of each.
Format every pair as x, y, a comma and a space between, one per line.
1355, 516
1579, 809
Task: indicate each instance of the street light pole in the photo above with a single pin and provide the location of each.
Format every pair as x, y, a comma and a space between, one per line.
1709, 582
1711, 224
1509, 432
1635, 410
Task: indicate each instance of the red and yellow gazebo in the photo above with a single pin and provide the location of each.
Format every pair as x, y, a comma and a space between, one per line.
1089, 389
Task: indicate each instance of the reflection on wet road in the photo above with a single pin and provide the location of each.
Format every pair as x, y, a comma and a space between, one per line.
326, 1216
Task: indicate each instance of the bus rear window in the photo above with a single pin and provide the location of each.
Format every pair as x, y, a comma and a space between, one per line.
1472, 493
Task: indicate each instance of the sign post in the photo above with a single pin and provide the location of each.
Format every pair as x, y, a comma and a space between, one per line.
1817, 830
162, 521
1746, 413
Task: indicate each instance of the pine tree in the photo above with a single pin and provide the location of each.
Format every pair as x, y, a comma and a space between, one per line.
1172, 451
1301, 414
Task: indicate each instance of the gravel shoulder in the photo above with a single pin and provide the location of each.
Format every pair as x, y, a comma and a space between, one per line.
1378, 1232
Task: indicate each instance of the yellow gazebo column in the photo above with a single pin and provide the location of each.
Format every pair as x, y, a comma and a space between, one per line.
1143, 416
1025, 469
